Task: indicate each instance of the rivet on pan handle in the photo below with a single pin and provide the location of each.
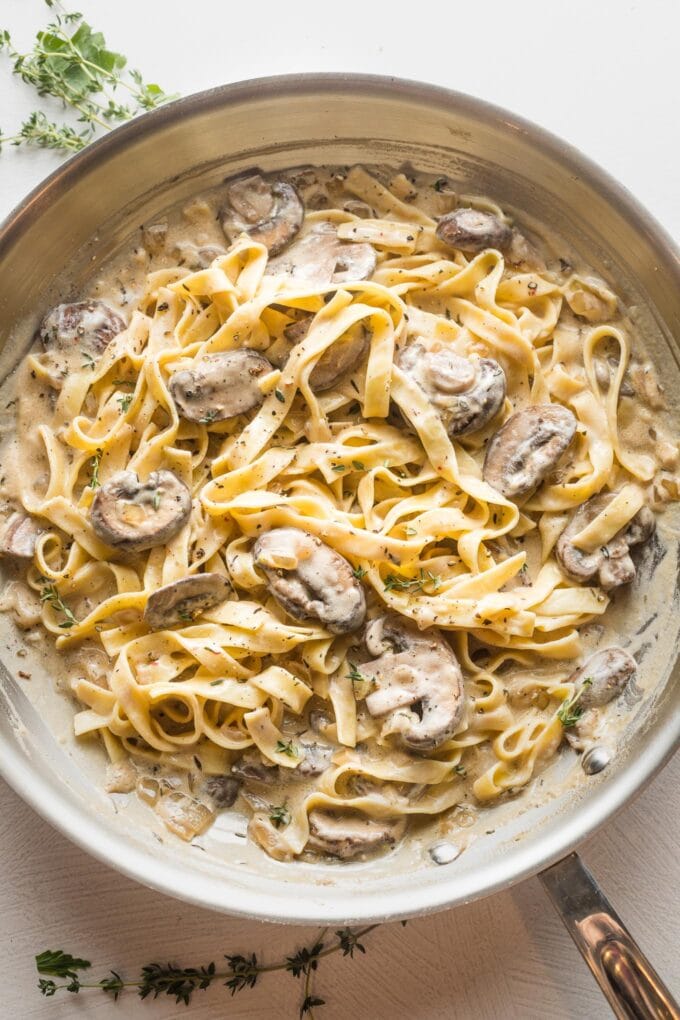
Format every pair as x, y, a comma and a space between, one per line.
632, 986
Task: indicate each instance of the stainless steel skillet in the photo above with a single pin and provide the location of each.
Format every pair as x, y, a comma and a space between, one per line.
82, 213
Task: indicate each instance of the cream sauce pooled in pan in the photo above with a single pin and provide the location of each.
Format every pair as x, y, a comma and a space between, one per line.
322, 494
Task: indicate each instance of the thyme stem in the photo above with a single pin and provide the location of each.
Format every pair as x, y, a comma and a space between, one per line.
181, 983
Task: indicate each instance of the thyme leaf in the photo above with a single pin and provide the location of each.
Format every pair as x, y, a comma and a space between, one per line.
244, 972
60, 964
279, 815
286, 747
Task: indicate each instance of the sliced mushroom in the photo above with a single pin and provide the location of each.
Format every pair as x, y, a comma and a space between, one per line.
419, 684
605, 370
195, 257
220, 386
467, 392
602, 677
269, 212
86, 326
184, 600
320, 257
154, 237
222, 790
133, 515
252, 766
337, 360
527, 447
523, 254
472, 230
19, 536
611, 564
310, 580
358, 208
317, 758
347, 834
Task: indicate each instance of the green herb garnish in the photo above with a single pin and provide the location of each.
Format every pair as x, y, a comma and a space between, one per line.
286, 747
359, 572
70, 62
414, 584
50, 595
355, 675
125, 400
570, 711
94, 464
279, 815
279, 396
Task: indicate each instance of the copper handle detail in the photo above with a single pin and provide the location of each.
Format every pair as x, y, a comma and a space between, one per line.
632, 987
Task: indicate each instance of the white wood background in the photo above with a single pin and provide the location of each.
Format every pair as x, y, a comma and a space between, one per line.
604, 77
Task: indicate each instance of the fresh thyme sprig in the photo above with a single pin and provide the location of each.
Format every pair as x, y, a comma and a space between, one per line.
570, 711
413, 584
71, 62
241, 973
50, 595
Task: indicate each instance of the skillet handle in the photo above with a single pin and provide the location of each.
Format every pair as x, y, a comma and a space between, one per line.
632, 986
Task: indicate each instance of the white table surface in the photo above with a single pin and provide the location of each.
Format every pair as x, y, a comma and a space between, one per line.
604, 76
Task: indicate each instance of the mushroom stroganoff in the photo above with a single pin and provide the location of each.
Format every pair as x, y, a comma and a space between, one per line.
319, 495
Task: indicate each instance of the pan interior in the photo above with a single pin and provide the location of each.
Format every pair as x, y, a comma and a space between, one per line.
88, 212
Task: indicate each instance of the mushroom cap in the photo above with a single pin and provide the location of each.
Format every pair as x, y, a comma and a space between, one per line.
467, 392
419, 683
197, 256
251, 766
472, 230
310, 580
222, 790
88, 326
337, 360
182, 601
527, 447
19, 536
348, 833
610, 670
320, 257
270, 212
611, 564
134, 516
220, 386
